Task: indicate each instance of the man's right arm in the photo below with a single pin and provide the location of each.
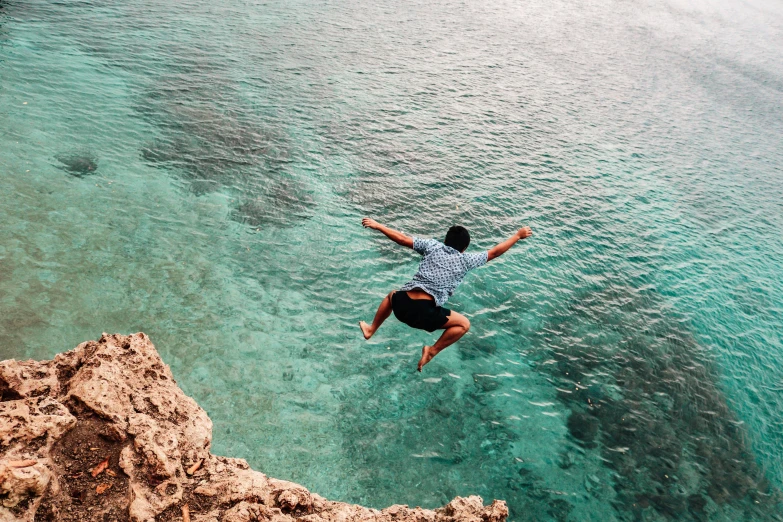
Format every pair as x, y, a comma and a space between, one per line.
397, 237
500, 248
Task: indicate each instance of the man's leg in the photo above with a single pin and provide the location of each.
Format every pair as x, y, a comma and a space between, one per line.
457, 326
384, 310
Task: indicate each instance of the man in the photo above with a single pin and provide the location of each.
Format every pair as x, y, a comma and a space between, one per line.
419, 303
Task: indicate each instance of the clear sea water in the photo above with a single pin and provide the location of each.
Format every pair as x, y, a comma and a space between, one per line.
198, 171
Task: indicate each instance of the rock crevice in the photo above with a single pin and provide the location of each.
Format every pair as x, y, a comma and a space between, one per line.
103, 432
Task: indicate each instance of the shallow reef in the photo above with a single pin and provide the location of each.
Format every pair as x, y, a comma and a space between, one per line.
280, 203
461, 435
646, 396
209, 139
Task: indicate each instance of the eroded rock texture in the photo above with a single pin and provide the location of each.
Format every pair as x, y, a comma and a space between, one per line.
103, 432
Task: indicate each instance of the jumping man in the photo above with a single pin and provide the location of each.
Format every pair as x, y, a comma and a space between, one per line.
419, 303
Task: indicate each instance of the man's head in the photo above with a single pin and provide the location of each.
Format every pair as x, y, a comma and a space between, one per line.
457, 238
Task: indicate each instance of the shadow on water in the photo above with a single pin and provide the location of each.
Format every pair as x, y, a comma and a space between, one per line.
646, 396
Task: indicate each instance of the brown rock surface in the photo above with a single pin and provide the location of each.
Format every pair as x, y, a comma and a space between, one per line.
103, 432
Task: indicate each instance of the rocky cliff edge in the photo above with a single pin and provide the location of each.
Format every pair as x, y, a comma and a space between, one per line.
103, 432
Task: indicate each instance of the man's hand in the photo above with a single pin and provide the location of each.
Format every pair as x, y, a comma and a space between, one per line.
524, 232
501, 248
397, 237
370, 223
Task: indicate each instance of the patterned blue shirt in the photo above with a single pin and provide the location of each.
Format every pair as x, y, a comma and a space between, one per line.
442, 269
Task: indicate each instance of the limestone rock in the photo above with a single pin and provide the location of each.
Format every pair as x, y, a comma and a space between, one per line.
20, 483
103, 432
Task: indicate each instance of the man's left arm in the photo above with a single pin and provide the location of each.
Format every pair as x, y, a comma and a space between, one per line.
501, 248
394, 235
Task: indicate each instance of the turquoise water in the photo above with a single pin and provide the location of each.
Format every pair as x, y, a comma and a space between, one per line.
199, 170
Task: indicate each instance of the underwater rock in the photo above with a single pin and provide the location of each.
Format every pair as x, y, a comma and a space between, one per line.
592, 484
582, 426
697, 504
103, 432
566, 460
485, 383
78, 164
559, 509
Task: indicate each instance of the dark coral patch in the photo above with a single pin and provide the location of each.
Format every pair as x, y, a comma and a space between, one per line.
649, 394
211, 141
582, 426
281, 203
79, 164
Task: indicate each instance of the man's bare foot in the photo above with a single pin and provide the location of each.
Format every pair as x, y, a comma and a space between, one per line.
426, 356
366, 329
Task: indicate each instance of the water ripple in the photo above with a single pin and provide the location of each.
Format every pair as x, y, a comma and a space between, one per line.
198, 171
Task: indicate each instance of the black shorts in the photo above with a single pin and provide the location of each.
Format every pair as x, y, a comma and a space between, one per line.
419, 313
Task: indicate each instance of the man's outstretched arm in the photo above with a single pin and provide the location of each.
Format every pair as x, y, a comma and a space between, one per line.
501, 248
397, 237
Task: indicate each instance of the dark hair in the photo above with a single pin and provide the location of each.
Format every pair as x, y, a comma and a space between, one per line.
458, 238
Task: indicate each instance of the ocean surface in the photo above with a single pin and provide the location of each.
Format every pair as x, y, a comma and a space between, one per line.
198, 171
